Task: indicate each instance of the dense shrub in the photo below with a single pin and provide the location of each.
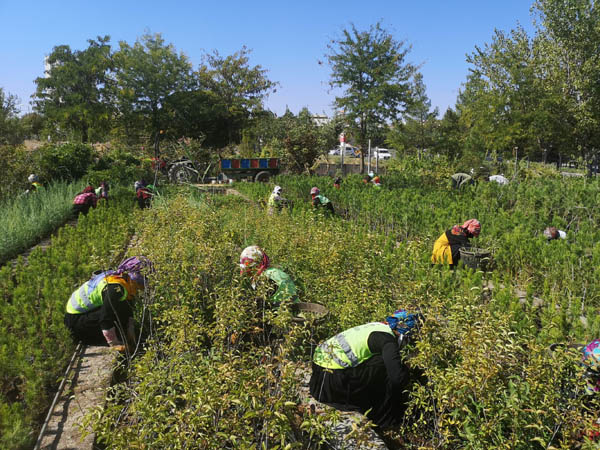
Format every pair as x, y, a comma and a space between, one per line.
119, 167
17, 163
65, 161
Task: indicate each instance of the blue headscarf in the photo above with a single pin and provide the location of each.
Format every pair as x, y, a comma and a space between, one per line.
404, 322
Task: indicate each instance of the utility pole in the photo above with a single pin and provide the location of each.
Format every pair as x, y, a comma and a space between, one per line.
342, 150
369, 163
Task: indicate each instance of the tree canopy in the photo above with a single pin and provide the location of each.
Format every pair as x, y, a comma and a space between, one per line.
147, 74
75, 95
370, 67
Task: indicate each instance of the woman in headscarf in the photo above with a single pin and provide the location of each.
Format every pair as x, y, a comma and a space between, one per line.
361, 369
85, 200
446, 249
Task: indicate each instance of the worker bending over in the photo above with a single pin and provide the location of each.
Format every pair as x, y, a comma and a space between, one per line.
100, 311
102, 190
276, 202
85, 200
255, 263
34, 184
143, 194
446, 249
553, 233
361, 369
320, 202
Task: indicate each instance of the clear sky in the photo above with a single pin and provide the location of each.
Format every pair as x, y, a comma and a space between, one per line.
287, 38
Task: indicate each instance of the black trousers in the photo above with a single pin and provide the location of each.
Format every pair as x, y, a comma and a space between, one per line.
77, 209
361, 388
87, 329
143, 202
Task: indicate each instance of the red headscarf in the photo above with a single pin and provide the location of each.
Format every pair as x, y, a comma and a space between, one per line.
88, 189
472, 226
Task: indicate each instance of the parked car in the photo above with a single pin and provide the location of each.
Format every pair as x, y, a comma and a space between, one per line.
382, 153
349, 151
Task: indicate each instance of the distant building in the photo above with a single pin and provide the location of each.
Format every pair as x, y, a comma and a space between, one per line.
320, 119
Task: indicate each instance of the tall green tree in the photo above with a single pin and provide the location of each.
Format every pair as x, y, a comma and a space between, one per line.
571, 64
10, 126
147, 74
197, 114
418, 129
75, 95
370, 67
450, 135
241, 88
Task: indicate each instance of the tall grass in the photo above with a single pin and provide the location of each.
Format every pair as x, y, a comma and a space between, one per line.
26, 219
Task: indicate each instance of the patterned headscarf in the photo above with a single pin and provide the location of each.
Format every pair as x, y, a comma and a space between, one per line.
252, 257
551, 233
134, 266
472, 226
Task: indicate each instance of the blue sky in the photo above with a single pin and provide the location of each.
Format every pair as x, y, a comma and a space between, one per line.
286, 38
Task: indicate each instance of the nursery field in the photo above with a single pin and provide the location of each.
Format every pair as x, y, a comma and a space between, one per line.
219, 371
35, 346
26, 219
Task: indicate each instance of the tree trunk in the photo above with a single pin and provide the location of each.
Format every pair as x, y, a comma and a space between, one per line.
84, 133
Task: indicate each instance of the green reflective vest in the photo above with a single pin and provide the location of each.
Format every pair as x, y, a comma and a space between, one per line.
324, 200
273, 200
286, 287
349, 348
37, 186
83, 301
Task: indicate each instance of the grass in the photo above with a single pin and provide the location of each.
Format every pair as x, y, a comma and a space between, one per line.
26, 219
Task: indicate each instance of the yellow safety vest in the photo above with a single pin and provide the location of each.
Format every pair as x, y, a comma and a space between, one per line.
82, 300
349, 348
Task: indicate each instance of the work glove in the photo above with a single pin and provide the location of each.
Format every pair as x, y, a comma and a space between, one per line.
111, 338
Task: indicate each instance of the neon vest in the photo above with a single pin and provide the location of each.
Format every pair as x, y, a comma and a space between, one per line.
37, 186
349, 348
89, 296
286, 287
324, 200
273, 200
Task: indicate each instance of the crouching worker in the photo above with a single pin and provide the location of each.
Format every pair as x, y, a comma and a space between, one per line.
320, 203
361, 369
255, 263
276, 202
553, 233
85, 200
100, 312
34, 184
143, 194
446, 249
